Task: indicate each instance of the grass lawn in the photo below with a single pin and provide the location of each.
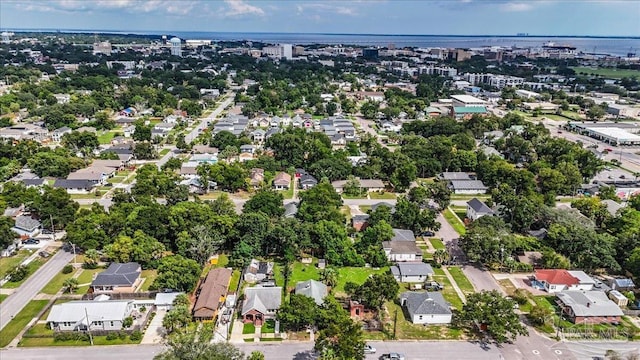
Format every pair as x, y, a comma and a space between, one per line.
269, 327
248, 328
55, 284
365, 208
382, 195
123, 173
448, 292
406, 330
437, 243
608, 73
3, 296
482, 197
303, 272
21, 320
150, 277
508, 286
9, 263
346, 210
223, 261
356, 275
31, 268
115, 179
86, 277
288, 194
164, 152
463, 283
235, 280
455, 223
345, 196
106, 137
97, 340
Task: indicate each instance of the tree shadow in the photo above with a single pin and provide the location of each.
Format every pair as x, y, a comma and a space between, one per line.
305, 355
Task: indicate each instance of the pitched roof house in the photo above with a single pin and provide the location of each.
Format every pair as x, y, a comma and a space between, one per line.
412, 272
426, 307
313, 289
89, 315
589, 307
260, 304
282, 181
211, 294
118, 278
477, 209
366, 184
556, 280
256, 177
26, 226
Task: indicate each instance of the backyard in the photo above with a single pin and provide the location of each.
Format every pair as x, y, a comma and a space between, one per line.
56, 283
405, 330
356, 275
149, 277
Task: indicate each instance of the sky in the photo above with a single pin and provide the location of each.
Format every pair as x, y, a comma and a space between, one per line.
420, 17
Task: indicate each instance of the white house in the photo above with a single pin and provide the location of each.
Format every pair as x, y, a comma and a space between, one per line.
557, 280
426, 307
412, 272
164, 301
57, 134
477, 209
89, 315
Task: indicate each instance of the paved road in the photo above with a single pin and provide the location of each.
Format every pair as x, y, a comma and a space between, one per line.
166, 157
205, 121
28, 290
536, 346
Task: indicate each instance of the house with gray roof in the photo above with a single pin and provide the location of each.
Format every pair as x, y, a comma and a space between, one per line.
477, 209
26, 226
118, 278
258, 271
89, 315
402, 247
622, 284
290, 210
365, 184
612, 206
589, 307
469, 187
260, 304
426, 307
412, 272
313, 289
57, 134
75, 186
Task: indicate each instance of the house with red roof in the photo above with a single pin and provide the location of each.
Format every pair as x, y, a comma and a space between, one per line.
556, 280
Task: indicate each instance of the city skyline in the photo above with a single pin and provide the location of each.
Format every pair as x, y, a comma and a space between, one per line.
398, 17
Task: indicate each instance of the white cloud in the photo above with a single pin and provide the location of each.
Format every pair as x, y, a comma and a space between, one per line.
168, 7
237, 8
315, 9
517, 6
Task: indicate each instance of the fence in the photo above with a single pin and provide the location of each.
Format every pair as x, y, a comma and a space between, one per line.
123, 296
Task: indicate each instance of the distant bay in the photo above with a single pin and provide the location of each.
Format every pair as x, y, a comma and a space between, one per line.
618, 46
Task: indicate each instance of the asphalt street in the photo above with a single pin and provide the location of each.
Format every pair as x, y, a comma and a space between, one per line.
30, 288
205, 121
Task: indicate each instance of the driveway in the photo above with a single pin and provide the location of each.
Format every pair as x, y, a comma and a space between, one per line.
155, 331
12, 305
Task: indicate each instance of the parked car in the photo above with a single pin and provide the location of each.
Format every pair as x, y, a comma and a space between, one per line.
44, 254
428, 233
433, 286
31, 242
392, 356
368, 349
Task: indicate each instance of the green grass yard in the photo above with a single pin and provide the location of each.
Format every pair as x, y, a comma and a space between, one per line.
437, 243
459, 277
20, 321
356, 275
607, 73
448, 292
248, 328
405, 330
7, 264
235, 280
454, 221
303, 272
56, 283
106, 137
382, 195
31, 268
86, 277
97, 340
3, 296
149, 277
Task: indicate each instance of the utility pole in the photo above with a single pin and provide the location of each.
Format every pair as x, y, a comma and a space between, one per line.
395, 323
88, 326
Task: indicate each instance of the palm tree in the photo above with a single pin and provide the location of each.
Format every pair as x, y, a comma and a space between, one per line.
91, 258
70, 285
441, 256
329, 277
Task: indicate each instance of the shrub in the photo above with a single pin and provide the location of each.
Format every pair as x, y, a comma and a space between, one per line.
67, 336
520, 296
122, 335
112, 336
128, 321
135, 336
18, 274
67, 269
143, 308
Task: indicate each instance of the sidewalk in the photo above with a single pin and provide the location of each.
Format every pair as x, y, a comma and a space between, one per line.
454, 285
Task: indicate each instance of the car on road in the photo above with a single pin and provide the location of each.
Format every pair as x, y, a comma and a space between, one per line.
368, 349
392, 356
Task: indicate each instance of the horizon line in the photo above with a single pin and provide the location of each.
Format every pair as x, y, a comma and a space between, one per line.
160, 33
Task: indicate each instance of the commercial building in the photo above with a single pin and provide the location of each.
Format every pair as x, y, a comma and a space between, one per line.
467, 100
279, 51
102, 47
176, 46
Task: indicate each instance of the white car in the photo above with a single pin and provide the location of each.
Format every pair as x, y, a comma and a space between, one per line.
368, 349
393, 356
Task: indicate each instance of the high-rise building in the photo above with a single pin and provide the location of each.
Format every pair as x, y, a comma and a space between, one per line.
287, 51
370, 53
279, 51
176, 46
6, 37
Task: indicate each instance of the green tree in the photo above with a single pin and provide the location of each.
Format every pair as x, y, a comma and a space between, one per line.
491, 309
338, 334
145, 151
329, 276
77, 141
256, 355
185, 346
266, 201
540, 315
321, 202
55, 205
70, 285
177, 318
377, 289
301, 312
177, 273
440, 193
7, 236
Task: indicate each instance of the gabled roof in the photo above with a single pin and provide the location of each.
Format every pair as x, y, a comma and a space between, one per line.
412, 269
479, 207
212, 289
556, 276
77, 311
313, 289
425, 303
589, 303
74, 184
166, 298
402, 247
308, 179
467, 185
403, 235
282, 178
624, 283
262, 299
457, 175
290, 210
27, 223
118, 274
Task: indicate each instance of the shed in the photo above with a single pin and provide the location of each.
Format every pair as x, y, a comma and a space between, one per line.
617, 297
